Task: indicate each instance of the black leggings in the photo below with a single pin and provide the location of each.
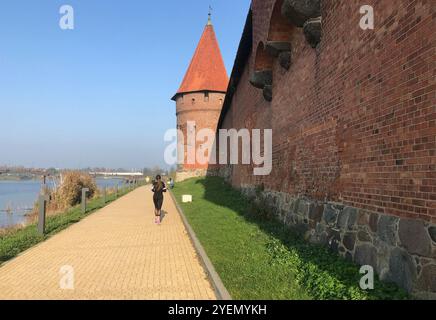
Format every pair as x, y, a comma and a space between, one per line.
158, 201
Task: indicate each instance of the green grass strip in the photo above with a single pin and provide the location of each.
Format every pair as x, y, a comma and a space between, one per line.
259, 258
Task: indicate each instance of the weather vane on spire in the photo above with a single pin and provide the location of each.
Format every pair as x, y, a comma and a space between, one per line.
209, 21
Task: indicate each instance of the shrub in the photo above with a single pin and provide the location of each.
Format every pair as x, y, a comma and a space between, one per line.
69, 193
325, 275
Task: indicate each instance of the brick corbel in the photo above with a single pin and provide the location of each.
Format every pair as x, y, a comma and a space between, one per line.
305, 14
312, 31
267, 93
285, 59
281, 50
299, 11
260, 79
274, 48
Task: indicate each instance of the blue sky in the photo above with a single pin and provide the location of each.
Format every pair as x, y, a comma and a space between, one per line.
99, 95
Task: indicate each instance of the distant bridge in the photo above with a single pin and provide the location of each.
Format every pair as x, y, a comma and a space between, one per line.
117, 174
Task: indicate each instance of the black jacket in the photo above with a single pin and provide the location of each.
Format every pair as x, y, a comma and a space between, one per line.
161, 191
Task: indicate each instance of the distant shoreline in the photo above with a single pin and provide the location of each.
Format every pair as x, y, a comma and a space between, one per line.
17, 178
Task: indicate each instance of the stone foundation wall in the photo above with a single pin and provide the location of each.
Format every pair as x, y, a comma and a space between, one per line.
400, 250
187, 174
196, 173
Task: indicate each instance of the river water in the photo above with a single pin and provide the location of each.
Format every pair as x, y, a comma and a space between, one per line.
17, 197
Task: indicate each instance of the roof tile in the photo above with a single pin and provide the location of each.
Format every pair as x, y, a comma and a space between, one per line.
206, 71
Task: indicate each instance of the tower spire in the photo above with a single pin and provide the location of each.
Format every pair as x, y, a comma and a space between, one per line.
206, 71
209, 19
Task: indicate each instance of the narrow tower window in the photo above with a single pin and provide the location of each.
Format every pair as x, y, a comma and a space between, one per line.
193, 101
206, 97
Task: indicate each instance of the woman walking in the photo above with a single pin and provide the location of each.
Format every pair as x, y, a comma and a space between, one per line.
158, 188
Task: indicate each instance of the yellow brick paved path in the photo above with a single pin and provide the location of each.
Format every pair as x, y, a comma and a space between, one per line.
117, 253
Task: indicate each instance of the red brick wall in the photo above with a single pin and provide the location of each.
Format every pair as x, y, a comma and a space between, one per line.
354, 119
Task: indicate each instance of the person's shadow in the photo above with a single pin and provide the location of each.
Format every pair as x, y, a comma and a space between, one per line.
162, 215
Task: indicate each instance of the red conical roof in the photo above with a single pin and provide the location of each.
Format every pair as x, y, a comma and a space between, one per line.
206, 71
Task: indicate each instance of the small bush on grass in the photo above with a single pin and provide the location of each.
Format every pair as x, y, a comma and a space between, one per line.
70, 192
325, 275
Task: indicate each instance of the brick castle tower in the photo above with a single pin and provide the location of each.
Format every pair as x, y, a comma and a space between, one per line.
201, 96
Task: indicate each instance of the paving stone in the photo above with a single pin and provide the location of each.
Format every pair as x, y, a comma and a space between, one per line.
303, 207
316, 212
414, 237
402, 269
387, 229
366, 254
117, 252
363, 218
364, 236
349, 240
342, 220
352, 219
432, 232
427, 280
330, 214
373, 221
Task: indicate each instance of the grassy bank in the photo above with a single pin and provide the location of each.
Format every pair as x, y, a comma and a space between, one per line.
17, 178
259, 258
14, 242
